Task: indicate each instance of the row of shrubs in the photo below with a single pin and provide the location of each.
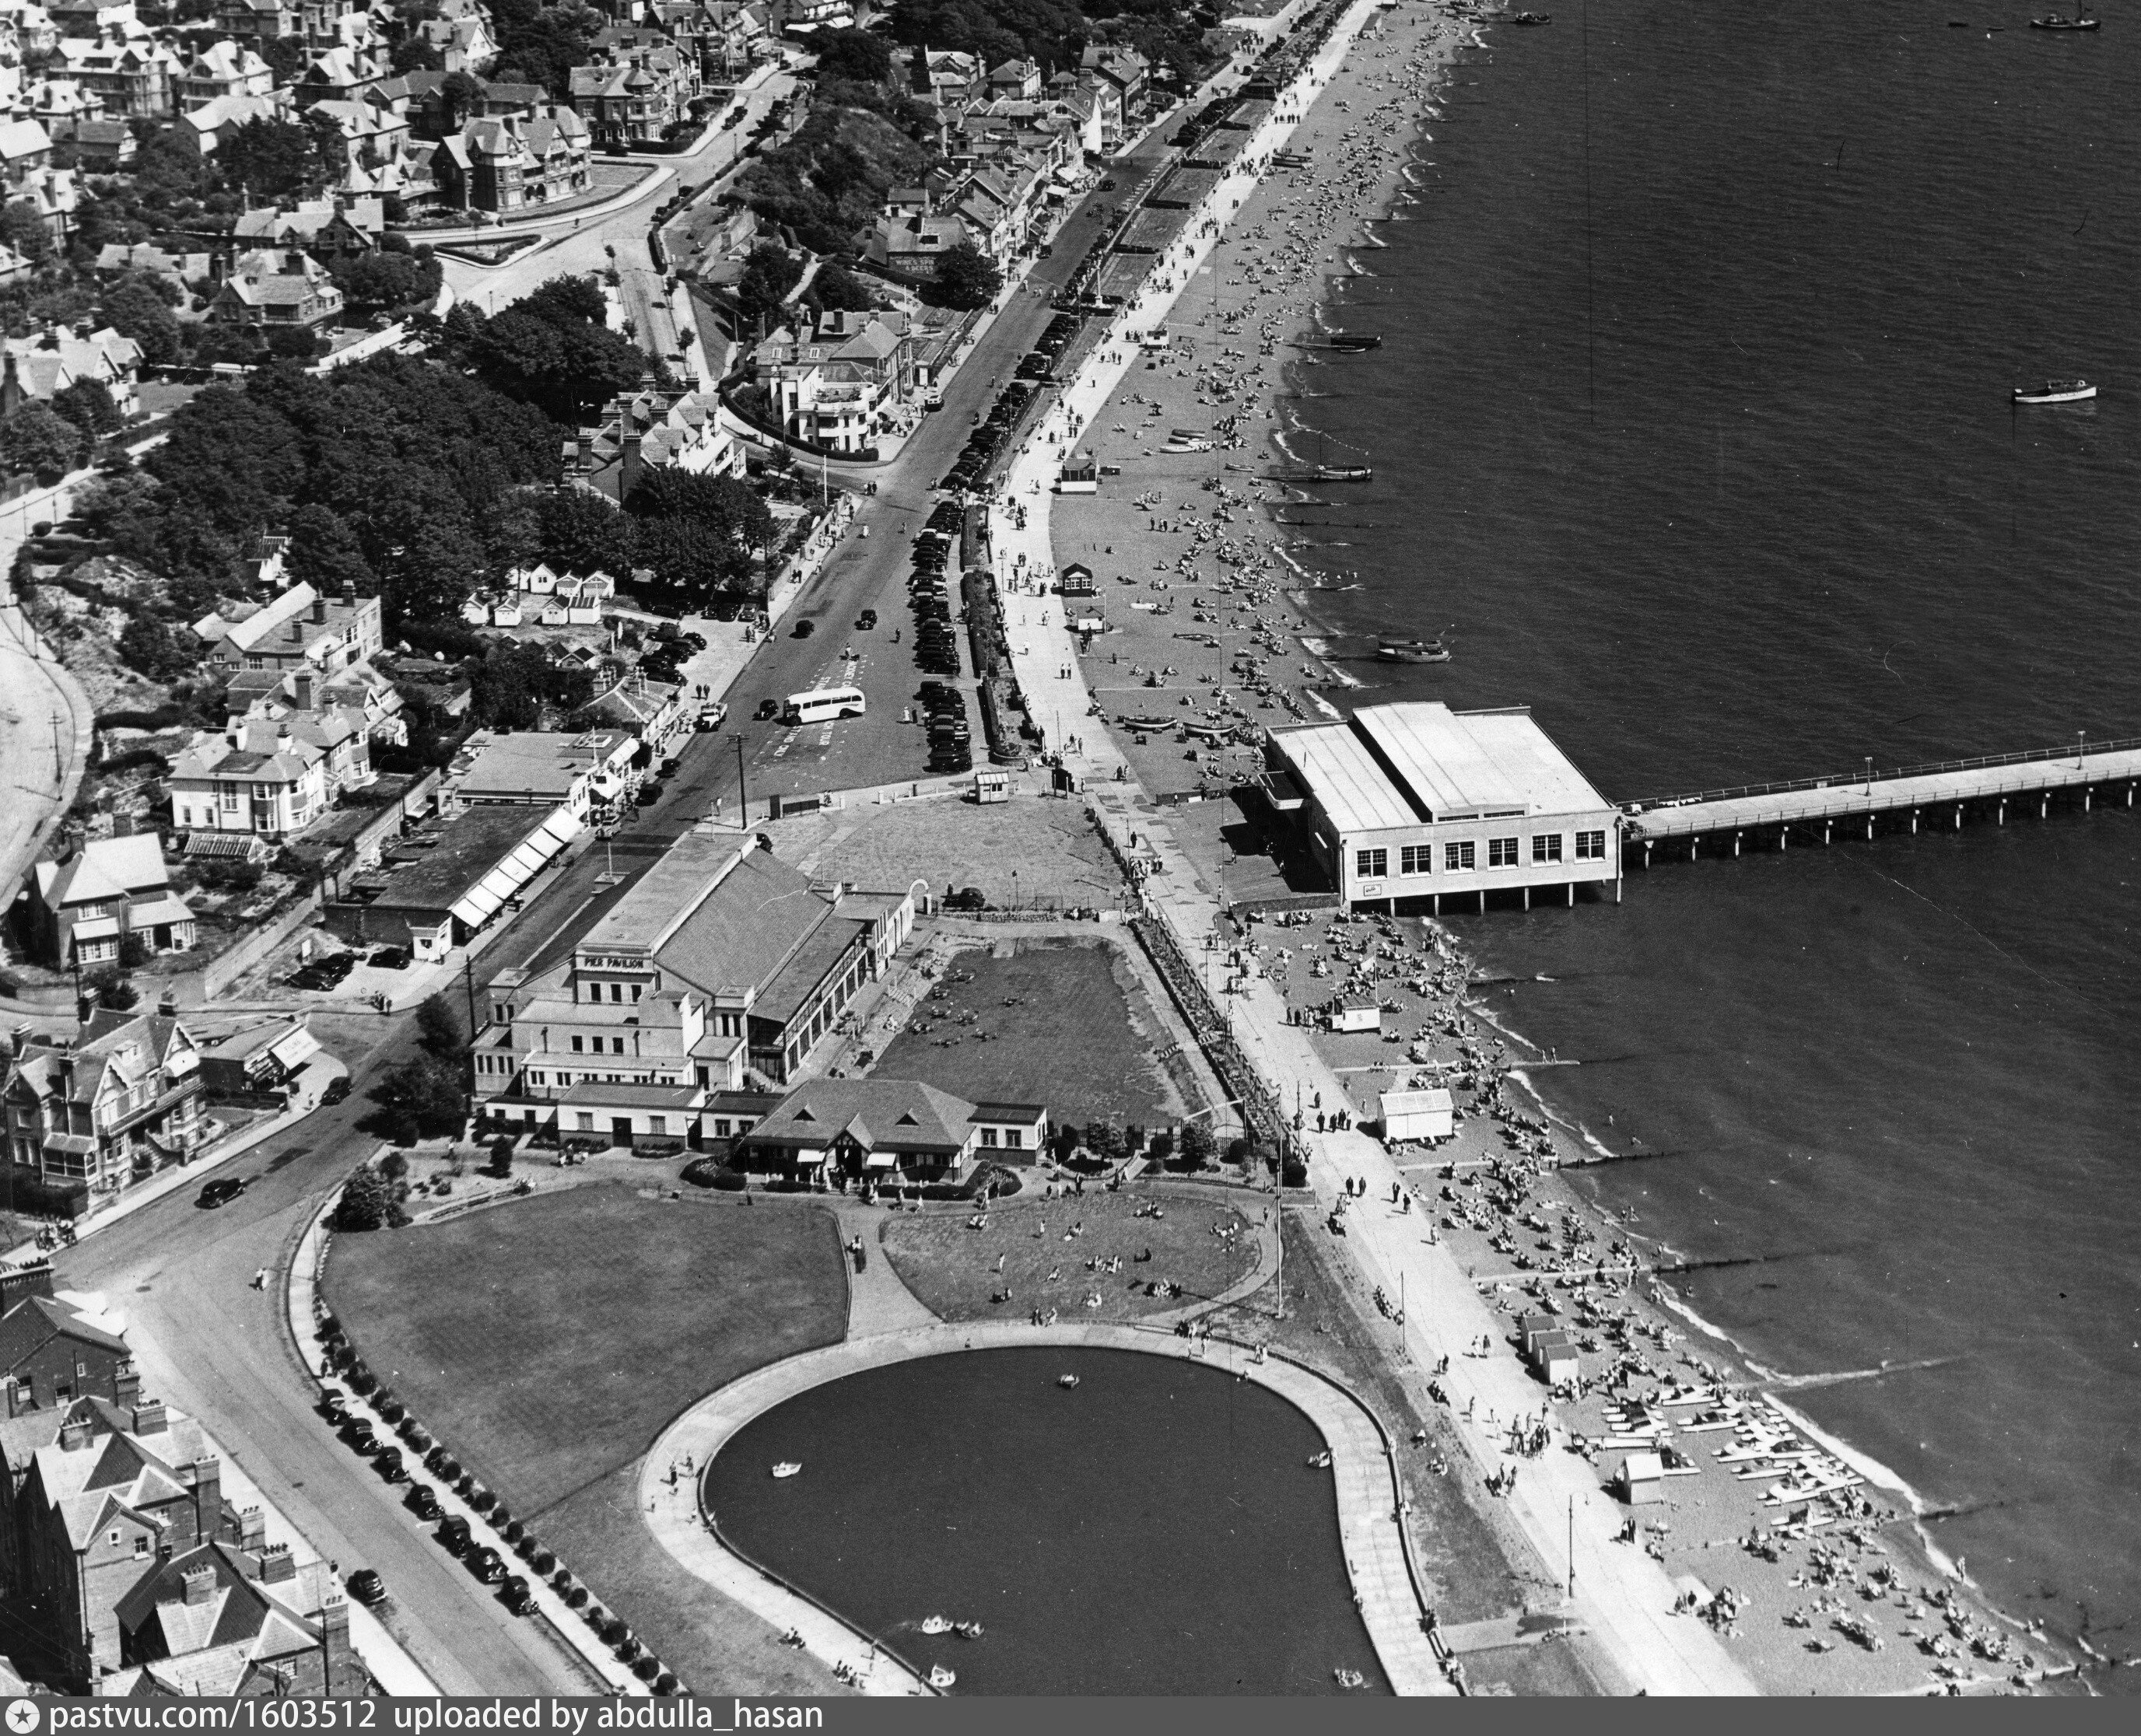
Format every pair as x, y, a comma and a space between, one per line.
992, 1178
522, 1540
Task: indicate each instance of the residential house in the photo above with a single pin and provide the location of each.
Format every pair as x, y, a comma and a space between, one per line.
886, 1129
327, 229
299, 627
60, 105
105, 147
337, 75
946, 79
134, 77
1123, 69
221, 69
225, 1620
118, 1100
256, 1057
513, 163
271, 777
206, 127
633, 94
364, 697
52, 360
82, 910
123, 258
275, 287
652, 429
841, 383
1018, 79
26, 168
54, 1350
461, 33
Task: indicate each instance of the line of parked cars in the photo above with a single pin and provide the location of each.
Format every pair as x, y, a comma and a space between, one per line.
951, 741
1038, 364
988, 440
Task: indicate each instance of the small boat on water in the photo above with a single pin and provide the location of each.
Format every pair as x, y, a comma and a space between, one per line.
1066, 1381
1412, 651
2056, 392
940, 1678
969, 1629
1349, 343
1346, 1678
1322, 1461
1322, 473
788, 1467
935, 1624
2057, 21
1535, 18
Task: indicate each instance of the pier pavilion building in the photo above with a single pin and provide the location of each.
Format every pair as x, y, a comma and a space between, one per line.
1416, 803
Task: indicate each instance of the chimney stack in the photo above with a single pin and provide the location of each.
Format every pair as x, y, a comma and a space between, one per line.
151, 1416
304, 685
198, 1583
278, 1565
74, 1435
319, 611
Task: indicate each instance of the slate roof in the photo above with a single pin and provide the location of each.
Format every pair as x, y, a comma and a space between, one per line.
747, 928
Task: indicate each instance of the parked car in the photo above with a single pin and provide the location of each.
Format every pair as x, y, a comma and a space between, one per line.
389, 1460
519, 1598
358, 1431
967, 897
424, 1503
391, 958
338, 1089
454, 1535
768, 710
221, 1191
367, 1587
866, 620
487, 1565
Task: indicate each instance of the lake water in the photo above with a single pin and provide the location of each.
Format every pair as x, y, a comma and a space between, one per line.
1156, 1530
1726, 485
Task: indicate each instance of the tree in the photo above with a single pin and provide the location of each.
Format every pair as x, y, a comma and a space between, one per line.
1197, 1146
419, 1098
22, 228
579, 531
720, 504
381, 282
967, 278
325, 553
836, 288
855, 54
271, 159
413, 54
39, 439
151, 647
566, 300
769, 273
87, 404
441, 1023
293, 343
111, 989
691, 560
460, 96
1104, 1139
365, 1200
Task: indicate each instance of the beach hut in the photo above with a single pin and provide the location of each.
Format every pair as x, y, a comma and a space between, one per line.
1080, 474
1556, 1363
1642, 1479
992, 786
1418, 1115
1365, 1017
1531, 1326
1077, 581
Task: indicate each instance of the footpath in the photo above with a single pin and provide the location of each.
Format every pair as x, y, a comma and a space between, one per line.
1623, 1596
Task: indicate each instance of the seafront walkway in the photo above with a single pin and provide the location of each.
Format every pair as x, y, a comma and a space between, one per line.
1370, 1528
1622, 1595
1936, 791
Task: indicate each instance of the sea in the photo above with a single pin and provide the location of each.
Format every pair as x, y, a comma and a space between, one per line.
1692, 426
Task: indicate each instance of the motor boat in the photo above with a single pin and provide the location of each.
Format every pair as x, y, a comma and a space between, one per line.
1346, 1678
2056, 391
1066, 1381
935, 1624
788, 1467
1412, 651
2058, 21
1322, 1461
969, 1629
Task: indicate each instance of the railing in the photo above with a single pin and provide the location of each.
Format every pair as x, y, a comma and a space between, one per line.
1845, 780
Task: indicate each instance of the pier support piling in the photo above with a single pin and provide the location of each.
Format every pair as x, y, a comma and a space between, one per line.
1527, 898
1483, 901
1914, 822
1958, 816
1869, 828
1784, 837
1646, 854
1828, 832
1735, 842
2044, 806
1571, 893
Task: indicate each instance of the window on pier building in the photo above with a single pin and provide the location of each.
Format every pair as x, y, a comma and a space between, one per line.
1417, 859
1372, 864
1546, 847
1591, 847
1460, 857
1501, 852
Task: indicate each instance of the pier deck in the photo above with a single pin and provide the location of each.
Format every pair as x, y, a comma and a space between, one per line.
1824, 802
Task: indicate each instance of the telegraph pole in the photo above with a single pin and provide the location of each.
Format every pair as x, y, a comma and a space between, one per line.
743, 794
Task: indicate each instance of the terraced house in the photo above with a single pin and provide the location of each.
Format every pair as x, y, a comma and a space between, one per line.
116, 1101
641, 86
512, 162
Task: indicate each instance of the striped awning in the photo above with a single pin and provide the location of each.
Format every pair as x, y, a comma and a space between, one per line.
522, 863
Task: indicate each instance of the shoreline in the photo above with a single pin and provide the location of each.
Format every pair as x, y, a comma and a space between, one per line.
1277, 242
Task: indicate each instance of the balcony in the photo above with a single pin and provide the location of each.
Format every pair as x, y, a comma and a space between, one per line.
157, 1108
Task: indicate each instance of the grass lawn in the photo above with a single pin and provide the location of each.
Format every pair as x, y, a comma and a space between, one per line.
548, 1341
1075, 1035
952, 1269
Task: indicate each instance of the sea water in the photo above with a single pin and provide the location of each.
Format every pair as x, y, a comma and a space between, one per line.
1699, 330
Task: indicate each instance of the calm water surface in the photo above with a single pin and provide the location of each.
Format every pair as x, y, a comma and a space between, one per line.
1155, 1530
1797, 523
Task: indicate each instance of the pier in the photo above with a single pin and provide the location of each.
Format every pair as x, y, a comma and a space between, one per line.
1937, 795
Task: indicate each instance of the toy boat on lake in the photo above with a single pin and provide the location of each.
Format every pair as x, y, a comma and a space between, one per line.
1066, 1381
969, 1629
935, 1624
788, 1467
940, 1678
1346, 1678
2056, 392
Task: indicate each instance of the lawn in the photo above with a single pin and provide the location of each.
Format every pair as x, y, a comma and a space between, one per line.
548, 1341
1062, 1023
952, 1267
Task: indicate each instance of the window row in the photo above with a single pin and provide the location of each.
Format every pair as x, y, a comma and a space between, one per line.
1462, 856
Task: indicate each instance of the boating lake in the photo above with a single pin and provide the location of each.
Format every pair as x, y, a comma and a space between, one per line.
1156, 1530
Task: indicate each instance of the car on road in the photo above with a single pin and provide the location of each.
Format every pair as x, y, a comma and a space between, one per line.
867, 620
338, 1089
424, 1503
968, 897
1108, 184
367, 1587
803, 629
648, 796
517, 1595
221, 1191
334, 1408
391, 958
768, 710
487, 1565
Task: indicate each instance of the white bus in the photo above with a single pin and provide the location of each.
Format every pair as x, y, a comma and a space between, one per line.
823, 705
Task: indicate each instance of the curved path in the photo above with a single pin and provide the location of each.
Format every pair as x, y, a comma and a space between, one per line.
1369, 1531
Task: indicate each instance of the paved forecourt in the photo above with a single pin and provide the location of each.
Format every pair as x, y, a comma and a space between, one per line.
1368, 1524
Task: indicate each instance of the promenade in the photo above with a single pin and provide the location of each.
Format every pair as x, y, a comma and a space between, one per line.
1623, 1596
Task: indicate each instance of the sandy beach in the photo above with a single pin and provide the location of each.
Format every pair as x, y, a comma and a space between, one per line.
1203, 617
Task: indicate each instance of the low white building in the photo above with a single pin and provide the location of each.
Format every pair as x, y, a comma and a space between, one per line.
1415, 802
1426, 1115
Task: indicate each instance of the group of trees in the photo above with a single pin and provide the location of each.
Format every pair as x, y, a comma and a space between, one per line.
695, 540
828, 181
551, 350
540, 45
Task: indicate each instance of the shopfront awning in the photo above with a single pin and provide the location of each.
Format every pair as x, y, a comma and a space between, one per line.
522, 863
